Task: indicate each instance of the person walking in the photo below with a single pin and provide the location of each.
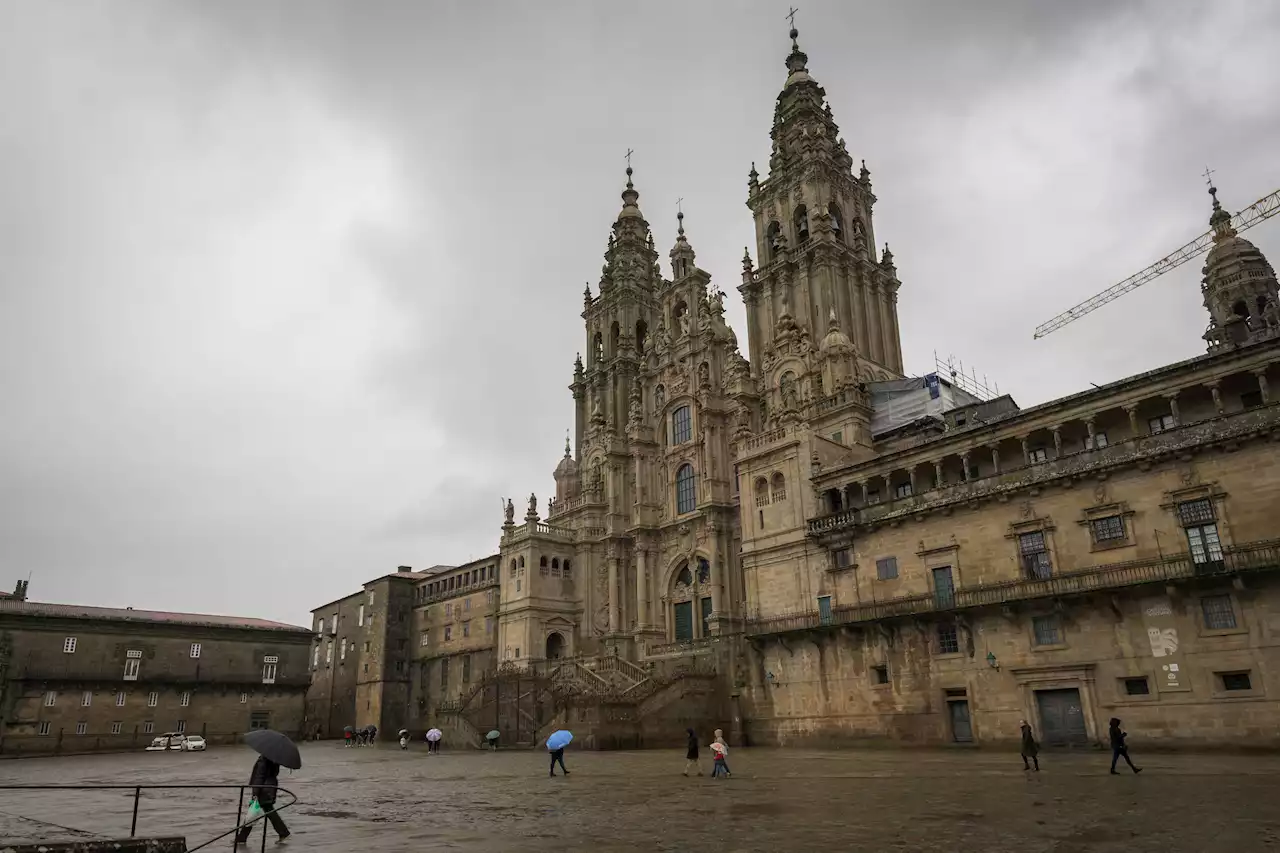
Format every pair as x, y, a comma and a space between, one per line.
722, 753
691, 761
558, 755
1118, 747
1030, 749
718, 766
265, 778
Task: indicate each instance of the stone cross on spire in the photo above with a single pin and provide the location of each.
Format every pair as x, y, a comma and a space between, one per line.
1208, 175
791, 16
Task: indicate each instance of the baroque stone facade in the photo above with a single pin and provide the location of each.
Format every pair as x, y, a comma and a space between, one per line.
82, 679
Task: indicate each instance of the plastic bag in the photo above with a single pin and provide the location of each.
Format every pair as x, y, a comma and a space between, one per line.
255, 811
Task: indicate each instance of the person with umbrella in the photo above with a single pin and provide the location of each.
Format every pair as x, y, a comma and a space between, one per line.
492, 738
404, 738
433, 741
274, 750
556, 743
348, 732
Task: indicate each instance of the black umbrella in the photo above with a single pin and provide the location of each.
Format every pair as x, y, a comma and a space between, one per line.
274, 746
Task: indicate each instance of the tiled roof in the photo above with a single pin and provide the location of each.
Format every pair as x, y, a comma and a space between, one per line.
8, 606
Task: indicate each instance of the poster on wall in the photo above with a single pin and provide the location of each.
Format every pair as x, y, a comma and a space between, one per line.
1162, 635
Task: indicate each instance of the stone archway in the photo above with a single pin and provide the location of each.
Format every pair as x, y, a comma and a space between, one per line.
555, 645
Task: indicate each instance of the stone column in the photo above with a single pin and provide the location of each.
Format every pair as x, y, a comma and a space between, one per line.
911, 476
995, 457
1261, 373
937, 472
875, 339
1216, 391
886, 328
964, 463
1133, 420
1026, 449
1173, 408
1088, 424
862, 484
897, 335
1057, 442
615, 617
642, 590
717, 576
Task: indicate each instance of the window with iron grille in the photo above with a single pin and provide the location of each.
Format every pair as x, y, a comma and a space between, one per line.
69, 646
116, 727
180, 727
1219, 613
444, 673
1107, 530
50, 698
840, 558
1039, 454
948, 639
1206, 547
185, 700
82, 727
86, 698
148, 727
886, 568
1035, 554
685, 497
466, 668
1161, 423
152, 699
902, 490
120, 699
1196, 512
681, 425
1235, 681
1099, 441
43, 730
195, 650
1137, 687
1047, 630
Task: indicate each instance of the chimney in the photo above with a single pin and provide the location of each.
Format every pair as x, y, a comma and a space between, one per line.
404, 568
20, 590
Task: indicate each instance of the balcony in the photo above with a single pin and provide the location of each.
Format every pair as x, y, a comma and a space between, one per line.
1245, 559
1141, 448
542, 530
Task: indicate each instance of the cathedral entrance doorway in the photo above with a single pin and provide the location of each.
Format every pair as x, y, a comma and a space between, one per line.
555, 645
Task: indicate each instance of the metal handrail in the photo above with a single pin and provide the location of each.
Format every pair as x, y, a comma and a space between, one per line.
137, 794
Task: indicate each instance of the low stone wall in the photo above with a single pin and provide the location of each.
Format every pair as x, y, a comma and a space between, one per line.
122, 845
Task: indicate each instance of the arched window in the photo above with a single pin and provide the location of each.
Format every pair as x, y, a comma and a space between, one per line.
522, 562
801, 220
614, 333
681, 425
543, 569
778, 489
642, 336
597, 349
837, 220
686, 498
555, 562
566, 568
685, 577
771, 235
513, 567
762, 492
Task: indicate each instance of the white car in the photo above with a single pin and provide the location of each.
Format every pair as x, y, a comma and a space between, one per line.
166, 741
193, 743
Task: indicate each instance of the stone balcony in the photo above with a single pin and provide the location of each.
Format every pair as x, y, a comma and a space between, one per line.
1251, 558
1144, 448
541, 530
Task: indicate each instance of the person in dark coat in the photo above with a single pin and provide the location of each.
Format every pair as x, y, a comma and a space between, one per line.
1030, 749
1118, 748
691, 754
264, 779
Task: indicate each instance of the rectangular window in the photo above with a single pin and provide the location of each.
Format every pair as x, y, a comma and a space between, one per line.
1035, 555
1107, 530
1039, 454
1137, 686
86, 699
824, 609
466, 605
448, 633
681, 425
1235, 681
268, 673
69, 646
333, 624
448, 610
424, 639
148, 727
466, 629
1251, 399
444, 674
185, 699
880, 674
517, 584
1160, 424
82, 727
1196, 512
120, 699
1206, 547
686, 490
837, 437
328, 653
1047, 630
180, 727
43, 729
902, 490
488, 596
488, 625
360, 616
50, 697
1099, 441
116, 727
131, 667
886, 568
244, 698
1219, 613
840, 558
342, 650
948, 639
466, 668
152, 699
195, 650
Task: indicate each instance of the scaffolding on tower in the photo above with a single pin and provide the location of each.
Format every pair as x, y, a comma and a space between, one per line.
953, 370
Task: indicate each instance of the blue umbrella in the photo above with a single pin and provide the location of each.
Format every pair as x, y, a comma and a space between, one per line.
559, 740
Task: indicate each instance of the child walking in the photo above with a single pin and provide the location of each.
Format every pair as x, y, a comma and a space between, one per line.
722, 754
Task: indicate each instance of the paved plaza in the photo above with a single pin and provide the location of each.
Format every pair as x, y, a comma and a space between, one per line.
382, 799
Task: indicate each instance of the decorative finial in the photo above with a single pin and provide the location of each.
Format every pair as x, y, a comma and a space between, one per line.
791, 18
566, 443
630, 151
680, 217
833, 322
746, 259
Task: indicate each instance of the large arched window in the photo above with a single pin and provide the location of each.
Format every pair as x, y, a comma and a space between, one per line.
686, 498
801, 220
566, 568
681, 425
771, 237
762, 492
778, 489
642, 336
837, 220
513, 567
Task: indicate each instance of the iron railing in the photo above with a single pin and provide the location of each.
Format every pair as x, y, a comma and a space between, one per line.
1252, 557
137, 797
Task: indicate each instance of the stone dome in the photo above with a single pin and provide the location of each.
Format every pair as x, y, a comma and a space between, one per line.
836, 342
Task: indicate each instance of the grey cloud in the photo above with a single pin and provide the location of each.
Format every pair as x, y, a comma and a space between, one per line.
290, 298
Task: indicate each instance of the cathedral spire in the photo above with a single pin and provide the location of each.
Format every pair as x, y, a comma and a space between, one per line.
1219, 220
682, 255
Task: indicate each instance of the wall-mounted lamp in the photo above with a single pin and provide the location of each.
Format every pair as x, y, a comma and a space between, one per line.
991, 661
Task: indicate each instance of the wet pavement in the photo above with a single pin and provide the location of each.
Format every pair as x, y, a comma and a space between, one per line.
382, 799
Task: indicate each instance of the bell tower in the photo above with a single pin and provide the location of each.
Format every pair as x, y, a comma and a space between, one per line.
814, 236
1239, 287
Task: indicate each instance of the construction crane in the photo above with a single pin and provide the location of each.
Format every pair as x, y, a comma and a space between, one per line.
1260, 211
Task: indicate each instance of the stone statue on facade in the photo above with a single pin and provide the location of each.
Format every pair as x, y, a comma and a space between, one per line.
533, 506
683, 319
509, 512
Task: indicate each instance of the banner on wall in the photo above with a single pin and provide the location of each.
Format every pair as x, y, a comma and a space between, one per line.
1162, 635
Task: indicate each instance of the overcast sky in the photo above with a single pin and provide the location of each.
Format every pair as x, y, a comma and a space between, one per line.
290, 292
